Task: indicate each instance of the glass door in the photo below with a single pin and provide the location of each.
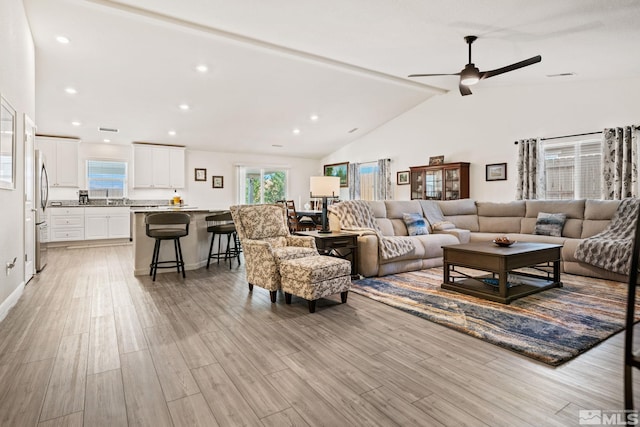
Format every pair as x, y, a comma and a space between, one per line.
433, 184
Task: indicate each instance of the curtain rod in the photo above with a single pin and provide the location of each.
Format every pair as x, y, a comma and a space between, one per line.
569, 136
566, 136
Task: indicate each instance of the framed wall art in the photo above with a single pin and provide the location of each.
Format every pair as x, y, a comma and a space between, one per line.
217, 181
7, 145
496, 172
200, 174
402, 178
340, 170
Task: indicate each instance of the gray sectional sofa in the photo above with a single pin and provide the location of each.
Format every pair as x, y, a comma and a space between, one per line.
481, 221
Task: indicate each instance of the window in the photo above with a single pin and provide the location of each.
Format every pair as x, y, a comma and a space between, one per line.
262, 185
106, 179
573, 169
368, 180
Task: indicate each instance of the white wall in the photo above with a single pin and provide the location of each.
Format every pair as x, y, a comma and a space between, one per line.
200, 194
481, 128
17, 85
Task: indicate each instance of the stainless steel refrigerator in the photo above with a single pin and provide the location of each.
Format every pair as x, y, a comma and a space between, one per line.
42, 198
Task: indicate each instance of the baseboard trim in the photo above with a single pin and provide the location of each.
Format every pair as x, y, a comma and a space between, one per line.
11, 300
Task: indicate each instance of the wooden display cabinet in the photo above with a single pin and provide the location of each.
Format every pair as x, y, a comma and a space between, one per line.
448, 181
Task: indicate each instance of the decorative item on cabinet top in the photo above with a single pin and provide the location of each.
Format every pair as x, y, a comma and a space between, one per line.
436, 160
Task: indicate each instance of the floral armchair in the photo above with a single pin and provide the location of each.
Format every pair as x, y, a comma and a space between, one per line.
266, 241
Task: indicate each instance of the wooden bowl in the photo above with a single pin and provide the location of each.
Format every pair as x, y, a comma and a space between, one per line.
504, 244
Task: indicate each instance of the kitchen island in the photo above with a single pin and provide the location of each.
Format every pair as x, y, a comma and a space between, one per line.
195, 246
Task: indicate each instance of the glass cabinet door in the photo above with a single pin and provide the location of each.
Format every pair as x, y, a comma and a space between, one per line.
452, 184
433, 184
417, 185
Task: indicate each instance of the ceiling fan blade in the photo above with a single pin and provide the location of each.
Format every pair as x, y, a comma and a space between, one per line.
512, 67
464, 90
432, 75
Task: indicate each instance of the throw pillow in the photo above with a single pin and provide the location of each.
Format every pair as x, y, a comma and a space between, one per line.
549, 224
416, 225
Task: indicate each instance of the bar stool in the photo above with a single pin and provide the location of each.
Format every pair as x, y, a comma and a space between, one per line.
220, 224
165, 226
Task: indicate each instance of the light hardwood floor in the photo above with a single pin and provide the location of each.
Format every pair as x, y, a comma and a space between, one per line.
90, 344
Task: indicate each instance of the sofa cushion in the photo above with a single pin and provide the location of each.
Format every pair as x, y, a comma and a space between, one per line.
494, 217
432, 212
549, 224
597, 216
573, 209
416, 224
462, 213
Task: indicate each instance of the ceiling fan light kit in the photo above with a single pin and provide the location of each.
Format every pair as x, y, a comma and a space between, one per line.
471, 75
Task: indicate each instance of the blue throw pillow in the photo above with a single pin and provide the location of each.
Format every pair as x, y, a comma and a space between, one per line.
416, 225
549, 224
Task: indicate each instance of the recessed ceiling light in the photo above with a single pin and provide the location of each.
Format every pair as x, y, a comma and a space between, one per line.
62, 39
296, 131
277, 145
172, 132
314, 117
106, 140
76, 123
561, 75
184, 107
202, 68
353, 130
71, 91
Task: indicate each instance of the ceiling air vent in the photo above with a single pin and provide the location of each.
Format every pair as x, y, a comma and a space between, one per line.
101, 129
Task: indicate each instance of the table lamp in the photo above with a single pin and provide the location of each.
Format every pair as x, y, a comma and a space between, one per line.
325, 187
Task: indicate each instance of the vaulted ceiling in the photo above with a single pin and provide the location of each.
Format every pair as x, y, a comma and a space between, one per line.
273, 65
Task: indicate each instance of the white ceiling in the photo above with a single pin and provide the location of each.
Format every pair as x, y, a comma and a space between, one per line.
274, 63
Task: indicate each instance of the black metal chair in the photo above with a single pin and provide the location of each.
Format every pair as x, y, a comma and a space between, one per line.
631, 360
221, 224
167, 226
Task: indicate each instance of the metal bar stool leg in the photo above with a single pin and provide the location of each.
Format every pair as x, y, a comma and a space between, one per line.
155, 260
227, 252
154, 257
213, 238
181, 260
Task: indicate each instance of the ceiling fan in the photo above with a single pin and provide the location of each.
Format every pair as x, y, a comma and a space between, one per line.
471, 75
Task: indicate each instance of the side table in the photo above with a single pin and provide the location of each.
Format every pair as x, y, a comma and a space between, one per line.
341, 244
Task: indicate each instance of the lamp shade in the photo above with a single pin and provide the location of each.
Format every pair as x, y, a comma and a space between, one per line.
325, 186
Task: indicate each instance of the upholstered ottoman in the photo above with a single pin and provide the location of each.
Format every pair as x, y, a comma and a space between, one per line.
315, 277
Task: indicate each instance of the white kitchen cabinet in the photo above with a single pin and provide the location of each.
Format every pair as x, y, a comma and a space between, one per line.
66, 224
106, 223
156, 166
61, 157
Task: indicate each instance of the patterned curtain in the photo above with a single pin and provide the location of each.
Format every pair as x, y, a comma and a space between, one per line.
353, 181
619, 163
530, 182
383, 180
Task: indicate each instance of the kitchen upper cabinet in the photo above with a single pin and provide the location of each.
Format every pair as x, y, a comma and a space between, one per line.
157, 166
61, 159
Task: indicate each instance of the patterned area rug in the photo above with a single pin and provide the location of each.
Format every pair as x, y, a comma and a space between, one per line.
552, 326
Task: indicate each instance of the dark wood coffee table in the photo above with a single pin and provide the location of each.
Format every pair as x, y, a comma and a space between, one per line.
504, 284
